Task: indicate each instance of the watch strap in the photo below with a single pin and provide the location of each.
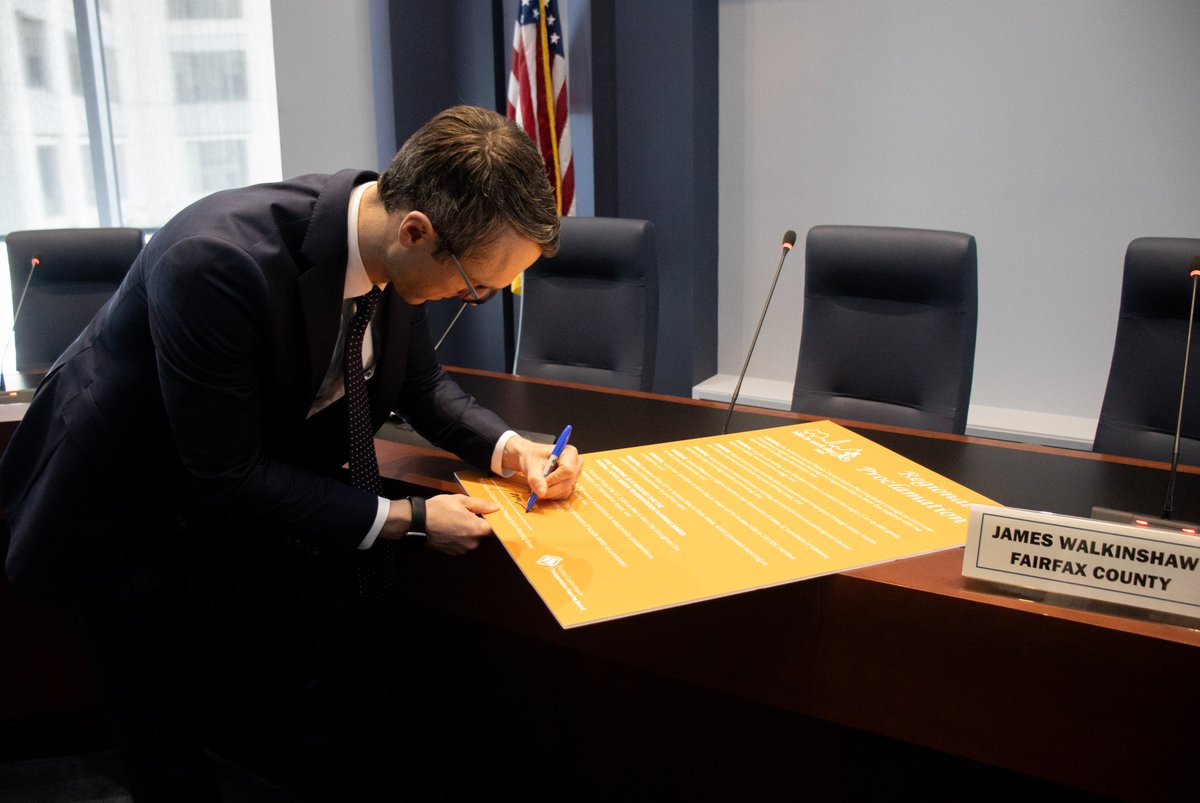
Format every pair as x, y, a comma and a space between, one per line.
417, 527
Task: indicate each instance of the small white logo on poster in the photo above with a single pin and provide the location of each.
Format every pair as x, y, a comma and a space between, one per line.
549, 560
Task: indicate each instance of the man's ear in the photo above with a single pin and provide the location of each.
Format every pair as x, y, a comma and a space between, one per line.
415, 227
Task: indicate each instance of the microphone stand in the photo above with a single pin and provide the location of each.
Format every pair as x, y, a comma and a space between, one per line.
1167, 520
1169, 505
789, 241
393, 415
453, 321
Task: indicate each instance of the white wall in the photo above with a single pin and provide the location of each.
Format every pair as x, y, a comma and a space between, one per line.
1055, 131
324, 73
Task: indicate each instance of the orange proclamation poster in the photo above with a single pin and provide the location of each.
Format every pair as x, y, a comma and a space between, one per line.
651, 527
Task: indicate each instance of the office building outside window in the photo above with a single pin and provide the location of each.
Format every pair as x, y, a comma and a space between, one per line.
50, 180
218, 164
203, 9
208, 76
32, 34
160, 103
71, 43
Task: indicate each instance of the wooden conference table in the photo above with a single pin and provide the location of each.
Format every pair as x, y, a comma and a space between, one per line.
1099, 702
896, 677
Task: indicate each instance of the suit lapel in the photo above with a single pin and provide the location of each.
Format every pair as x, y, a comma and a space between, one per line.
321, 286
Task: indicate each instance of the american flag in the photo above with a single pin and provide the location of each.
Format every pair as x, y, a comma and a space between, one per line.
537, 92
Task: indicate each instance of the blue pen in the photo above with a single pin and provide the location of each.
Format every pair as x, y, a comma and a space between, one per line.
555, 453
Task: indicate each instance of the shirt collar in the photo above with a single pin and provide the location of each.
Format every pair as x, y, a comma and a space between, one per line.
357, 281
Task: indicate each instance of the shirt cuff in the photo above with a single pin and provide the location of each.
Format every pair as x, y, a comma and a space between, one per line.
377, 527
498, 455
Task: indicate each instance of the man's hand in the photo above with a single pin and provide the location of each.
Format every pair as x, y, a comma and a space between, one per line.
529, 458
452, 522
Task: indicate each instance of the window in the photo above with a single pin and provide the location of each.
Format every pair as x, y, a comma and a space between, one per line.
209, 76
85, 172
195, 112
110, 75
218, 164
32, 34
75, 70
203, 9
51, 180
74, 73
173, 73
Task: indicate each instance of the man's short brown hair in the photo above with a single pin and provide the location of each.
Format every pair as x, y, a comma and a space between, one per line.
473, 172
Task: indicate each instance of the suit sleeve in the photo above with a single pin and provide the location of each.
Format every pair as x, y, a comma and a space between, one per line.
439, 409
209, 308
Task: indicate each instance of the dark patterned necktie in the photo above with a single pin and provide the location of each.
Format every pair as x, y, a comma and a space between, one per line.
364, 466
375, 567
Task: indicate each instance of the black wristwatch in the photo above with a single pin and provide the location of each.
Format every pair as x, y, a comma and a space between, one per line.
417, 528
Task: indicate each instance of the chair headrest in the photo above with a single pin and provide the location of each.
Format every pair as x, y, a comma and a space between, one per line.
603, 248
1156, 281
893, 263
74, 255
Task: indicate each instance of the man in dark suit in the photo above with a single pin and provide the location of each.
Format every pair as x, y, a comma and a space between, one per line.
207, 396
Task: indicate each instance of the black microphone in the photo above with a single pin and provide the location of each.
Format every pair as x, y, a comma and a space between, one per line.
789, 242
1166, 520
33, 263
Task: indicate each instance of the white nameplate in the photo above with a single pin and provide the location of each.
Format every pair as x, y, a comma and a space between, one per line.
1138, 567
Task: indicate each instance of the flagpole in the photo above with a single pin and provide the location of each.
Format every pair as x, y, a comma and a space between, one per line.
543, 33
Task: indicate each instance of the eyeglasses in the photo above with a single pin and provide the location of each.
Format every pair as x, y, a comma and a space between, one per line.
475, 298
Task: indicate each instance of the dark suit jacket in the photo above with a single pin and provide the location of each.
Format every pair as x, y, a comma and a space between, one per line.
187, 396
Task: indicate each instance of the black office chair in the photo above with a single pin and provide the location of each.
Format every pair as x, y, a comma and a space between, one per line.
77, 271
888, 332
1141, 402
590, 314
